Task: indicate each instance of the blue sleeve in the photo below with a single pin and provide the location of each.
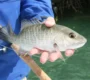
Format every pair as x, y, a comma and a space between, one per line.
36, 9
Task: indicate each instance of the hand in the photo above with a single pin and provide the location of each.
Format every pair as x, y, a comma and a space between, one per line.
50, 56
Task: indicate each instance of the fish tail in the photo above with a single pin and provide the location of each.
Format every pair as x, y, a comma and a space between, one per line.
4, 34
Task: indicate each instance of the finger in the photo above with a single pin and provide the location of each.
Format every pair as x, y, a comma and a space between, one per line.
69, 53
44, 57
55, 55
49, 22
34, 51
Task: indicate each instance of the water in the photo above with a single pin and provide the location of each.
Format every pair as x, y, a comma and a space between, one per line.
76, 67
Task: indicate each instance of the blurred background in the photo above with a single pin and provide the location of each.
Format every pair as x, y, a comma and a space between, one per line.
76, 15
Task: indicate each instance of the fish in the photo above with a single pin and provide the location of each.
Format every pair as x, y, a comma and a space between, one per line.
35, 34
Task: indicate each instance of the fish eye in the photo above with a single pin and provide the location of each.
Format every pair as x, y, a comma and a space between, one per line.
72, 35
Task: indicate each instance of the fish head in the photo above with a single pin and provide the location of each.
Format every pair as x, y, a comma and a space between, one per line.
69, 39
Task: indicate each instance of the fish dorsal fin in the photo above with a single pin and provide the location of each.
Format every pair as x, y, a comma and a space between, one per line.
27, 23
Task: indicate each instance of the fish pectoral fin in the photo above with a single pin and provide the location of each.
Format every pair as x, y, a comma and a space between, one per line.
58, 51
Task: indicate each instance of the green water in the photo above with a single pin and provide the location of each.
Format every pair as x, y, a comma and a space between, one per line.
76, 67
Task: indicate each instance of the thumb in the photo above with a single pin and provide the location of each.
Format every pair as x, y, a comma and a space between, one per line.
49, 22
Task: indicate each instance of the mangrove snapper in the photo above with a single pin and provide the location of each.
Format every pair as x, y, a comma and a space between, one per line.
36, 34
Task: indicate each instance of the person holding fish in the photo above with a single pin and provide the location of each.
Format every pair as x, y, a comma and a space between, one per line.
13, 12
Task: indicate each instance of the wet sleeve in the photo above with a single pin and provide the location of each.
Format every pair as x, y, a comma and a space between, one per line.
36, 9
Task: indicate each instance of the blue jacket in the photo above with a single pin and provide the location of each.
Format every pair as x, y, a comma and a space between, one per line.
13, 11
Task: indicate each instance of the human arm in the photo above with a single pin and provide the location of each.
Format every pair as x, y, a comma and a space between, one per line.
36, 9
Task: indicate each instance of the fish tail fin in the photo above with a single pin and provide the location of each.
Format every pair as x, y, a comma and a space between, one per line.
4, 35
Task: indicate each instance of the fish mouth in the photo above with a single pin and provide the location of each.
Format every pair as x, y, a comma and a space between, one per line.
78, 46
